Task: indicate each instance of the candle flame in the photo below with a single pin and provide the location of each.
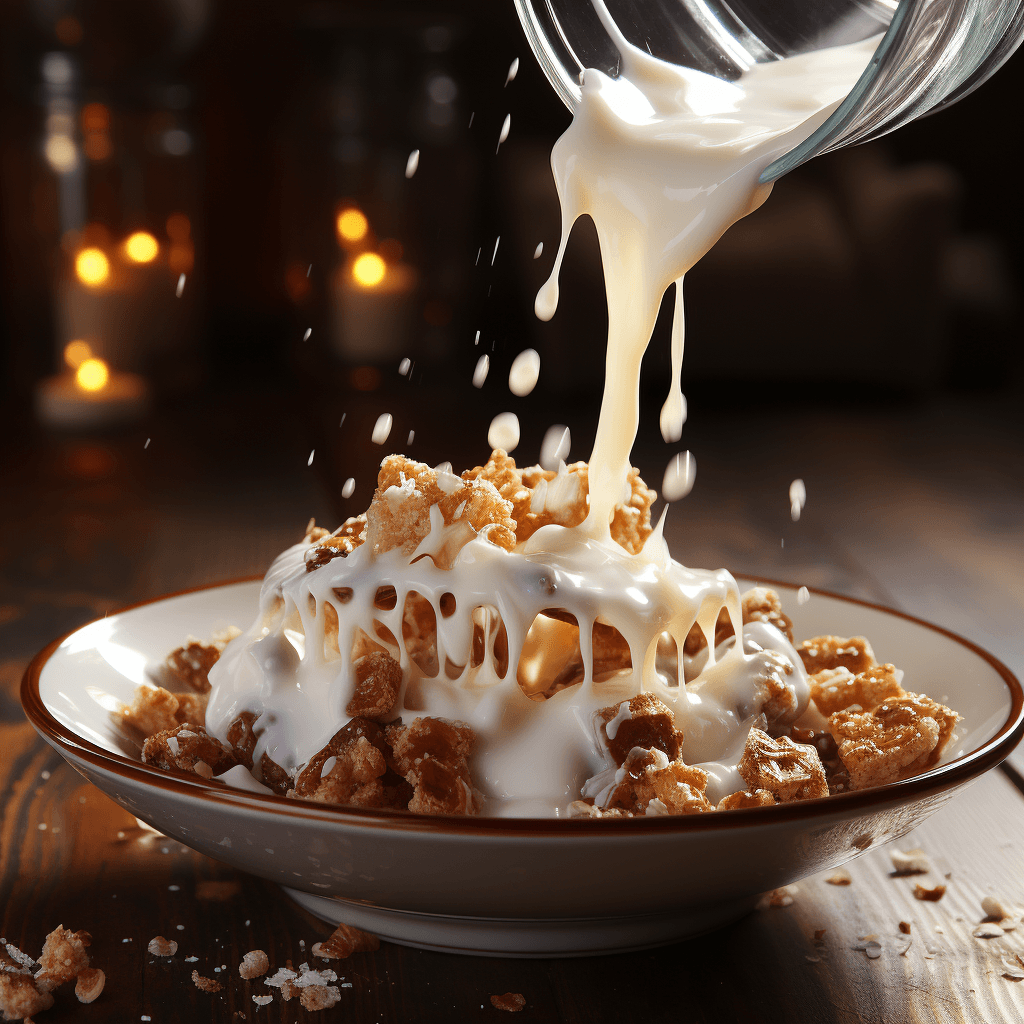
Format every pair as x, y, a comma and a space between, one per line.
369, 269
352, 225
141, 247
92, 375
76, 353
92, 266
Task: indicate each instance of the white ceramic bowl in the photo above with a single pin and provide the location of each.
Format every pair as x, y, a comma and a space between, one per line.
511, 887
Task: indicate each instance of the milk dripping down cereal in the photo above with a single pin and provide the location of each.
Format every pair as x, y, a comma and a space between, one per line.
519, 641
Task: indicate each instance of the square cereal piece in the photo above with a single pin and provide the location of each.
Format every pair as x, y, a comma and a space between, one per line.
821, 652
325, 547
191, 664
788, 770
188, 748
642, 721
654, 785
378, 678
348, 768
762, 604
431, 755
837, 689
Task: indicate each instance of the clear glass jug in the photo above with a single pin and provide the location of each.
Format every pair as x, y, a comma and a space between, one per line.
933, 52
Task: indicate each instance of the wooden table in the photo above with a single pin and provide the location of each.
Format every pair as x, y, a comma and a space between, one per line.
918, 510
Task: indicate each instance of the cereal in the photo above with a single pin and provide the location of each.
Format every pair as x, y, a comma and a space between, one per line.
19, 997
377, 680
63, 957
910, 862
183, 747
154, 709
761, 604
272, 775
586, 809
191, 664
159, 946
431, 755
837, 689
348, 769
254, 964
746, 798
319, 997
512, 1002
839, 877
339, 544
931, 895
652, 784
344, 941
641, 721
823, 652
790, 771
900, 737
89, 984
205, 984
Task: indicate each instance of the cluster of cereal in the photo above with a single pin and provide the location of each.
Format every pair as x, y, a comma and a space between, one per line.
27, 988
877, 733
423, 766
499, 501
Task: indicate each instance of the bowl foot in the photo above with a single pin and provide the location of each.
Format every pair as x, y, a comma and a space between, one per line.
481, 936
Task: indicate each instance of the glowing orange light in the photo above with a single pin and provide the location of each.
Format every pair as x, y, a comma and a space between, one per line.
352, 225
92, 375
141, 247
368, 269
76, 353
92, 266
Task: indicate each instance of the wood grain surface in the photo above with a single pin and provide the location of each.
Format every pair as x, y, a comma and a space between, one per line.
944, 543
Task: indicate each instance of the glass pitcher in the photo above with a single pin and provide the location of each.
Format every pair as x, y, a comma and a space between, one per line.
932, 53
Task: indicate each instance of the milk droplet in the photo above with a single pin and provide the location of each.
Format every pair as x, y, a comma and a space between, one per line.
382, 428
504, 131
555, 446
673, 416
522, 377
797, 498
538, 250
148, 439
803, 595
181, 285
483, 364
309, 331
513, 70
309, 461
409, 439
412, 163
504, 431
348, 488
476, 340
679, 477
403, 366
494, 255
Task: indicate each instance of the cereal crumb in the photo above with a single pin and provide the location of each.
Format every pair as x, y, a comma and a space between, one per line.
994, 908
840, 877
63, 958
910, 862
89, 984
987, 930
344, 941
905, 927
932, 895
254, 964
262, 1000
205, 984
159, 946
512, 1002
319, 997
781, 897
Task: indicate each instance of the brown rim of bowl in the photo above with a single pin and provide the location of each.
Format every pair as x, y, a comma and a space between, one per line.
939, 779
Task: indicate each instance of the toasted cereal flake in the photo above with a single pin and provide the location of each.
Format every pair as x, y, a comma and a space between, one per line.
63, 958
19, 997
839, 877
995, 908
931, 895
987, 930
344, 941
205, 984
254, 964
511, 1002
905, 927
791, 771
159, 946
89, 984
319, 997
782, 897
910, 862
